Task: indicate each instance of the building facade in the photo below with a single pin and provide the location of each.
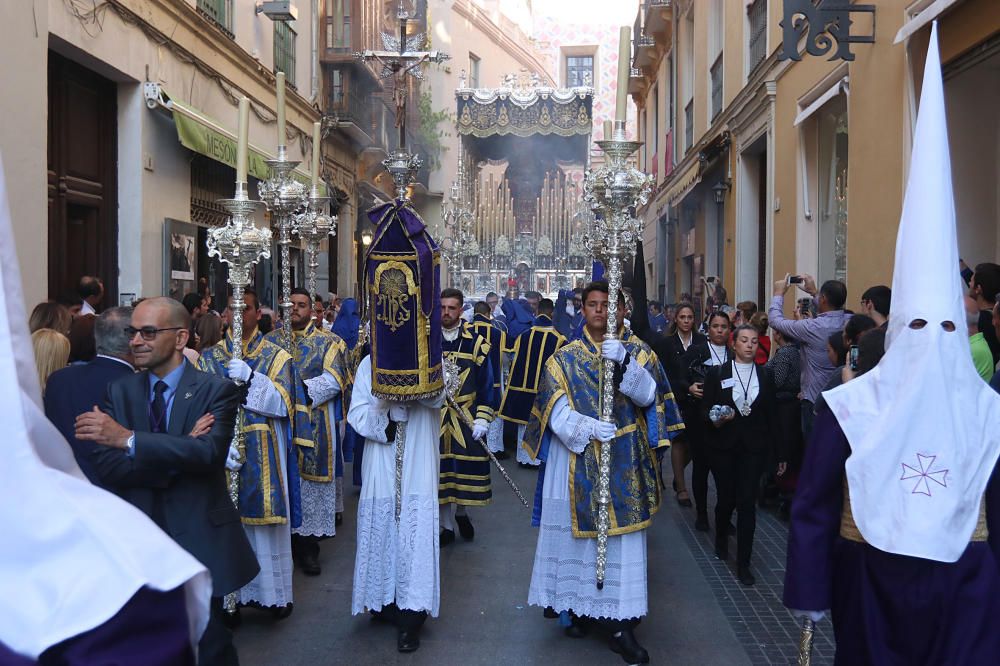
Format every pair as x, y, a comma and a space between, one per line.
768, 166
123, 137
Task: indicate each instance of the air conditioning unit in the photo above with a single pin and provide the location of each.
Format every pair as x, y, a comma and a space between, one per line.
278, 10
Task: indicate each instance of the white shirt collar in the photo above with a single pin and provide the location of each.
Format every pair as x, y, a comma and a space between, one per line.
120, 360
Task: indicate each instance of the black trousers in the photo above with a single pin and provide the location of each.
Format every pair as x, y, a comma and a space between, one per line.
737, 474
700, 463
216, 646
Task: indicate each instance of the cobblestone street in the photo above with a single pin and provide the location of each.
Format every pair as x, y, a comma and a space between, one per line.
699, 613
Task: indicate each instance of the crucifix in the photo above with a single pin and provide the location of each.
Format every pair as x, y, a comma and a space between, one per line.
398, 61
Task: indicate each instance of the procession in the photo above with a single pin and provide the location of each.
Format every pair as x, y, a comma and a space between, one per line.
484, 331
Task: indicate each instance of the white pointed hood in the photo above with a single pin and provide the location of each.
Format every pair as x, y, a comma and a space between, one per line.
922, 425
71, 554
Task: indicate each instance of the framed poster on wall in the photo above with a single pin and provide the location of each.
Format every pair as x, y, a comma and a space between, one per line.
180, 258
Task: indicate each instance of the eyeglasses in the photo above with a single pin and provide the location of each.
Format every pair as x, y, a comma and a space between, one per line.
148, 333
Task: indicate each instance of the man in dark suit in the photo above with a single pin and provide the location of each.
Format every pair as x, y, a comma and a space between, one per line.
72, 390
179, 480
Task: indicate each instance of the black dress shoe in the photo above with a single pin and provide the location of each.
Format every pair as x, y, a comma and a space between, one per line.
281, 612
465, 527
338, 519
550, 613
501, 455
578, 628
722, 552
744, 575
686, 502
701, 523
232, 620
309, 564
630, 650
408, 640
447, 537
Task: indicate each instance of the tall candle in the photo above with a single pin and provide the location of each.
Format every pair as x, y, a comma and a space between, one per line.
241, 141
624, 67
281, 107
607, 130
317, 139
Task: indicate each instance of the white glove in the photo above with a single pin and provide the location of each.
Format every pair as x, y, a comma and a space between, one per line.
815, 616
233, 463
398, 413
479, 428
239, 370
603, 431
497, 311
613, 350
570, 310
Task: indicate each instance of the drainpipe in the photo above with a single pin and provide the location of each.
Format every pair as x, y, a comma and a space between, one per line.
314, 59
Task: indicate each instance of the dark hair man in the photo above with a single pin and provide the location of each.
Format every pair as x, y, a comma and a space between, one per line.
565, 554
91, 292
876, 302
319, 360
984, 287
465, 467
545, 307
811, 334
270, 420
533, 298
178, 480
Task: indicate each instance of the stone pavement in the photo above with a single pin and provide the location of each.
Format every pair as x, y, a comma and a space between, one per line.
699, 614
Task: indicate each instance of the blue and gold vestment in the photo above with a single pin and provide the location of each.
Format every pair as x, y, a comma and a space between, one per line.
465, 467
574, 372
318, 351
262, 479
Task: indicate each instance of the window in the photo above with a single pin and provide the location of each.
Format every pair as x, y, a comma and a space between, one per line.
831, 188
688, 126
656, 125
219, 12
716, 79
336, 88
757, 44
579, 71
473, 70
338, 25
284, 51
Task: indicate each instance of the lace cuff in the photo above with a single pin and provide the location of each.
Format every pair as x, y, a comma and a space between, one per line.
263, 398
322, 389
378, 422
637, 383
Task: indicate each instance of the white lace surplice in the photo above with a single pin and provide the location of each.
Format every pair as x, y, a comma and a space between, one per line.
271, 543
522, 454
565, 568
396, 564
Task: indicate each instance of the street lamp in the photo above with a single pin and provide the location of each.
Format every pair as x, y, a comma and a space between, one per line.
719, 191
366, 238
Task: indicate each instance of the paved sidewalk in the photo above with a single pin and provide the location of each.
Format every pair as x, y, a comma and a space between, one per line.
484, 618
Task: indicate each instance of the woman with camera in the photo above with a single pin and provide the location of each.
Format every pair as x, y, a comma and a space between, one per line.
700, 356
739, 405
671, 350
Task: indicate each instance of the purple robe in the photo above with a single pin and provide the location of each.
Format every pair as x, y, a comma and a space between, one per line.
888, 609
150, 629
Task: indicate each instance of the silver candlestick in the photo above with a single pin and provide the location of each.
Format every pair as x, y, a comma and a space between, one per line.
240, 244
614, 190
285, 197
313, 226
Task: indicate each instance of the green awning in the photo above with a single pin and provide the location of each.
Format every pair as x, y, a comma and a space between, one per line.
207, 137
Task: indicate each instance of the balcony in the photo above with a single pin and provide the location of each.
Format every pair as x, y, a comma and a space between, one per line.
354, 117
645, 52
658, 15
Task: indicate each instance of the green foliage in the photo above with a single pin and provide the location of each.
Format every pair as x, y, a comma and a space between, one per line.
428, 133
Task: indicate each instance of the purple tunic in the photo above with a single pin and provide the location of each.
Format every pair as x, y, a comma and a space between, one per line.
888, 609
151, 629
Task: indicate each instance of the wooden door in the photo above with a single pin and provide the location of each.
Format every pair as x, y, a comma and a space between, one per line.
82, 184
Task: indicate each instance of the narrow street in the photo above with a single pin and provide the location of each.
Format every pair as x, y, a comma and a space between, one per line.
699, 614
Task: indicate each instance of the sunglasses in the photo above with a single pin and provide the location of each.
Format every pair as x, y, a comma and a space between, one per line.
148, 333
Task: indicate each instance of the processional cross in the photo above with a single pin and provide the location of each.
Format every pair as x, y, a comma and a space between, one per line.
398, 61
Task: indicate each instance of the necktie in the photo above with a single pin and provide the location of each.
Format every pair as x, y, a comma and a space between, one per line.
158, 410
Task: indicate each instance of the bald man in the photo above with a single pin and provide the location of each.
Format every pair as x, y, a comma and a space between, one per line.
164, 436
